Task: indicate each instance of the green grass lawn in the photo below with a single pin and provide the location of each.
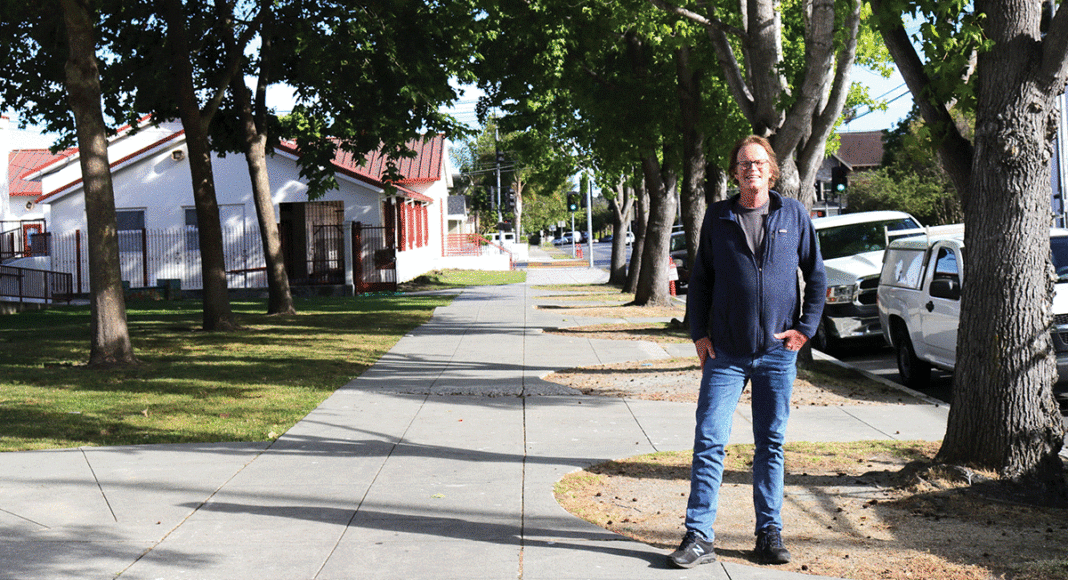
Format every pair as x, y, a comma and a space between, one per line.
445, 279
191, 386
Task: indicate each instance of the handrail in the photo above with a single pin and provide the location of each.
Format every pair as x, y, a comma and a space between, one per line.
32, 284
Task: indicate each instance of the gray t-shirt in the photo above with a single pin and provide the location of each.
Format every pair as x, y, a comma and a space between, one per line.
752, 221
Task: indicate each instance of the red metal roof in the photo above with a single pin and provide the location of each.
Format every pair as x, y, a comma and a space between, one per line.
425, 167
21, 162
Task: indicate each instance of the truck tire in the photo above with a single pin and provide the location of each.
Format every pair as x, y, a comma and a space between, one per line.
915, 373
822, 341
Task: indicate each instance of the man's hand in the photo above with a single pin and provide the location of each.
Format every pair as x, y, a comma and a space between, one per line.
792, 339
704, 350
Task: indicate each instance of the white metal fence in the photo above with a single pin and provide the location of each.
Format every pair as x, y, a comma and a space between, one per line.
149, 256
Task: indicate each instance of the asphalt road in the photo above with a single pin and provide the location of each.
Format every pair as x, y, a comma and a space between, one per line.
878, 359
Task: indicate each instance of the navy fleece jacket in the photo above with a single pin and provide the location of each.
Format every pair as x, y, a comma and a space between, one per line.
739, 302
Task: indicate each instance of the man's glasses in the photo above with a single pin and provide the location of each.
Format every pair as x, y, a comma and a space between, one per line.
759, 164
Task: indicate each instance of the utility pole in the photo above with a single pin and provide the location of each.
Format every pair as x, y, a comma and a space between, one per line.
589, 215
497, 151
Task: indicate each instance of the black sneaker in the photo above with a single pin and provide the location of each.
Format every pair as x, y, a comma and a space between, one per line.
769, 548
692, 551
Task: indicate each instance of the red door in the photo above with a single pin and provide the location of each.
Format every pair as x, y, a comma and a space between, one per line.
28, 230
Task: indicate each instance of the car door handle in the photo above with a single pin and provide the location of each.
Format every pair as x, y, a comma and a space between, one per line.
929, 306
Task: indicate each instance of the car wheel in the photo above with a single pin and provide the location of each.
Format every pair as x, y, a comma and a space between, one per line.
823, 342
915, 373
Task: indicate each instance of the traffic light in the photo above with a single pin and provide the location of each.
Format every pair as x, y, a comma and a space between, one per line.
573, 202
839, 179
509, 200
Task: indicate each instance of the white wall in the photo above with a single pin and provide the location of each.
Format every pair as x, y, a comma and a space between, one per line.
162, 186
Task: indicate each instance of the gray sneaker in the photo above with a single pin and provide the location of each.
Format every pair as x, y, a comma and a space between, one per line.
692, 551
769, 548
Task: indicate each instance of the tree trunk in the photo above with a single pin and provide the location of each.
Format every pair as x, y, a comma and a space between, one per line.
653, 289
715, 183
692, 193
109, 335
621, 207
279, 296
217, 314
641, 220
1003, 415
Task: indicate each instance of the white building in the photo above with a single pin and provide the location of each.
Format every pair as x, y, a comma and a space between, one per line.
157, 219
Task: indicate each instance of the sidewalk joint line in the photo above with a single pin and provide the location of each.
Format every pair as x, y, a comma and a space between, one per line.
25, 519
888, 435
640, 426
99, 487
203, 503
366, 492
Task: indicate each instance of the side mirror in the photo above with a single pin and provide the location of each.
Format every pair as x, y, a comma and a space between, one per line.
948, 288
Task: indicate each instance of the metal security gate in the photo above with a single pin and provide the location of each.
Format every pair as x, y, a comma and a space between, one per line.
374, 265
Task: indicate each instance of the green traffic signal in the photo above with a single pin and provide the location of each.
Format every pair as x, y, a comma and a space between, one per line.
572, 202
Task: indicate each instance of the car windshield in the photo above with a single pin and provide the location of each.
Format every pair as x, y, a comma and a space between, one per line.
852, 239
678, 241
1058, 246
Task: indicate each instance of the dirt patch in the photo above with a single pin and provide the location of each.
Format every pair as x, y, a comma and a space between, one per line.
865, 510
677, 380
661, 332
622, 311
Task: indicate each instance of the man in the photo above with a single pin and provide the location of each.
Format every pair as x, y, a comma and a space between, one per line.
748, 319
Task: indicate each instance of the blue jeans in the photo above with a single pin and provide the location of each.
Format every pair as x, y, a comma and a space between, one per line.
772, 376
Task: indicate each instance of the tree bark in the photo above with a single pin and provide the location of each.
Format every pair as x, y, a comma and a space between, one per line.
715, 183
641, 220
1003, 415
692, 193
653, 289
109, 334
217, 314
621, 207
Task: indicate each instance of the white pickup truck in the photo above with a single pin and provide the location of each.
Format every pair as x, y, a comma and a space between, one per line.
919, 302
852, 247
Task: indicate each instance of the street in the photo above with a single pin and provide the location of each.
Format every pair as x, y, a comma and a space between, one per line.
878, 358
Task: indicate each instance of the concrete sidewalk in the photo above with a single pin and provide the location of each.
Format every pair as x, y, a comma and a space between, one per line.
437, 463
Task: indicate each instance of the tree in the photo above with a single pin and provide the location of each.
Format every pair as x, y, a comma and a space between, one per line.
33, 80
607, 82
255, 120
110, 337
397, 62
1001, 60
621, 204
196, 120
794, 102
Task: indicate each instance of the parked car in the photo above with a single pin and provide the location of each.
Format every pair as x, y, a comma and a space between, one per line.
564, 239
919, 303
852, 247
680, 256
